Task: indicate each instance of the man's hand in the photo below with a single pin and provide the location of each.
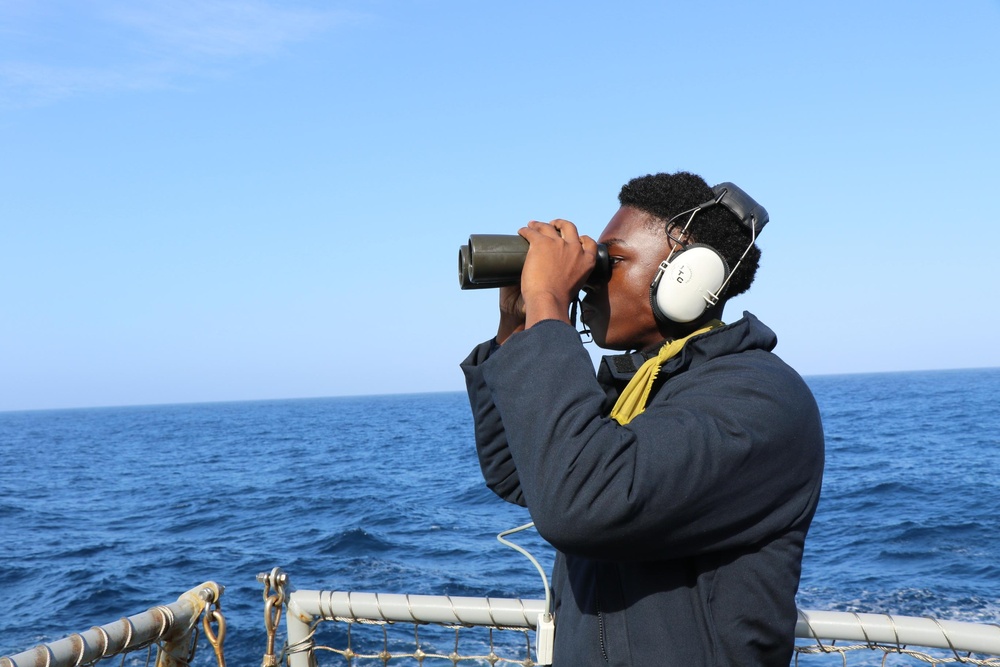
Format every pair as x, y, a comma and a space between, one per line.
558, 264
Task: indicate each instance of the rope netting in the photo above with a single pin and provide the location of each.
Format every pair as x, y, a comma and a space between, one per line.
372, 643
378, 629
368, 629
377, 647
883, 654
884, 639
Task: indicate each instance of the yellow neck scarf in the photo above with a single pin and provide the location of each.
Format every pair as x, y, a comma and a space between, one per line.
632, 401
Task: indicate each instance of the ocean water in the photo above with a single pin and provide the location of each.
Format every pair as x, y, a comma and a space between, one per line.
106, 512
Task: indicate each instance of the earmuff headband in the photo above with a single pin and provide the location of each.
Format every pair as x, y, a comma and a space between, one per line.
751, 215
688, 283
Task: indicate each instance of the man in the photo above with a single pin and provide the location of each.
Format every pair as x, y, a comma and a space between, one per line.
678, 483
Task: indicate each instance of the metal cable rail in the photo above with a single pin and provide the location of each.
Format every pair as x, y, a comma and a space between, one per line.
876, 632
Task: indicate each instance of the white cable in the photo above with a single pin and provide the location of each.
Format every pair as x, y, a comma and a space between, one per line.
545, 580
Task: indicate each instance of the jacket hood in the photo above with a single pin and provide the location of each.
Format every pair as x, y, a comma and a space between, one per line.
747, 333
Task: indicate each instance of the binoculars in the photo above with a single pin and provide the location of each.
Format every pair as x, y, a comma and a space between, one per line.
496, 260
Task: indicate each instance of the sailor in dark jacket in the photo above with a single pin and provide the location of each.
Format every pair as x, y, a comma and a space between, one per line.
678, 483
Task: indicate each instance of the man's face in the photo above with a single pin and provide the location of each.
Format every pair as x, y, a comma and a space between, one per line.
619, 314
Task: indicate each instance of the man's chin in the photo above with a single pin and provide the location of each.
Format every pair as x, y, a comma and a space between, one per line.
598, 327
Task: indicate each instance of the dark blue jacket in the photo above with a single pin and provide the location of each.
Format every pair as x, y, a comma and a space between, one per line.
680, 535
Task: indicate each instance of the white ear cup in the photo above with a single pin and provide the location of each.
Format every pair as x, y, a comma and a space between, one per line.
688, 284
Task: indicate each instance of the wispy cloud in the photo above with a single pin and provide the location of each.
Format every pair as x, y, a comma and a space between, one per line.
32, 84
223, 28
103, 45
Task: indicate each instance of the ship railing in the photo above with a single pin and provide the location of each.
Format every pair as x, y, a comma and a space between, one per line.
375, 613
171, 629
517, 631
823, 637
920, 640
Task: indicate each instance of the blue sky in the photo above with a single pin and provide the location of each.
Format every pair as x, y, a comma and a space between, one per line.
238, 199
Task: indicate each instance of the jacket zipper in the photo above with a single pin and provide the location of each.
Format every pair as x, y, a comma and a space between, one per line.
600, 631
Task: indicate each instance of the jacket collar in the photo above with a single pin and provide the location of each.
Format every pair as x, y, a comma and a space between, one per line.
744, 334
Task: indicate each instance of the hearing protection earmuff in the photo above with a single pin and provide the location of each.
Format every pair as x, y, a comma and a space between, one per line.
691, 280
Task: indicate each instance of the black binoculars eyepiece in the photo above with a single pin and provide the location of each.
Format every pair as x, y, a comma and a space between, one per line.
496, 260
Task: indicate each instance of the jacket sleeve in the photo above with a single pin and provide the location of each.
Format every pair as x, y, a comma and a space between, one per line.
725, 457
491, 442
